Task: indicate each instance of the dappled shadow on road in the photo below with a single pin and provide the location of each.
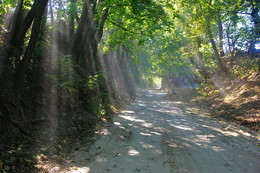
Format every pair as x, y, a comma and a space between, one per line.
153, 135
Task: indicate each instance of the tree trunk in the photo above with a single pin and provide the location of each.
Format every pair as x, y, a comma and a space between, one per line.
99, 33
221, 63
231, 46
77, 40
95, 39
51, 11
165, 83
220, 36
20, 73
17, 39
201, 62
16, 23
14, 27
89, 32
256, 30
72, 16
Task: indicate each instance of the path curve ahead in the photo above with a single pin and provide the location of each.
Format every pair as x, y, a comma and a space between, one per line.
152, 135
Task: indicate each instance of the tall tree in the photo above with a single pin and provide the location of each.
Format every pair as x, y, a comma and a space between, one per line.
36, 28
220, 35
256, 21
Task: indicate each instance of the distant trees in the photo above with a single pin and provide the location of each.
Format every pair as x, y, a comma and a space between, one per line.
203, 35
210, 23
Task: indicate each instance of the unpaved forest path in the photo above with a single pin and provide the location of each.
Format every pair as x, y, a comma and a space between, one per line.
153, 135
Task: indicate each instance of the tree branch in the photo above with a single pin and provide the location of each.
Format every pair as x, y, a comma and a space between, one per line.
102, 23
127, 30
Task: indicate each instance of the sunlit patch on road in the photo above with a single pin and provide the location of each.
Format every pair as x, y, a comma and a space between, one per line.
133, 152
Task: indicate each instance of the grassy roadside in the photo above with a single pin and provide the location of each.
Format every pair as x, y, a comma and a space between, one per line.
238, 103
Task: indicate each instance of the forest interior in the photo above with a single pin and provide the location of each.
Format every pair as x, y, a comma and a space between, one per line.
72, 69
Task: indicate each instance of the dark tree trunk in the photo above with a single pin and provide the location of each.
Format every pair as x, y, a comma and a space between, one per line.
14, 26
84, 47
88, 32
17, 39
102, 24
256, 30
77, 40
17, 19
20, 73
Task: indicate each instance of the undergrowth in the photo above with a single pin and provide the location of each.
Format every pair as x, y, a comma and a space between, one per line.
245, 67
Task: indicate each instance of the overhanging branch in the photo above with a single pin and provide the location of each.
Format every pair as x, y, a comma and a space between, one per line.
127, 30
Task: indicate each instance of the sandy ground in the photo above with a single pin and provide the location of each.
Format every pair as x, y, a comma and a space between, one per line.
152, 135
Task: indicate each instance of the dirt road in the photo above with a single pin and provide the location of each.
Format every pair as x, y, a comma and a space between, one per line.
153, 135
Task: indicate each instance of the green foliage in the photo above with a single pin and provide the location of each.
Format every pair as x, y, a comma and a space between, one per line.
129, 20
27, 4
89, 87
162, 56
207, 89
246, 67
92, 82
67, 77
4, 5
96, 97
